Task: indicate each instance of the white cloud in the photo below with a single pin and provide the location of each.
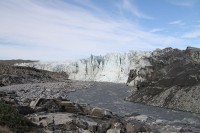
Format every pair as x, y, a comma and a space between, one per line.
127, 5
59, 30
192, 35
156, 30
177, 22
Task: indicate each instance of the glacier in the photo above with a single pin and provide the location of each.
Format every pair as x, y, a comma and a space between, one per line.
112, 67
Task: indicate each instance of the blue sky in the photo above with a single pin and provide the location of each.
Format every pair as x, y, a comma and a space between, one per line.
71, 29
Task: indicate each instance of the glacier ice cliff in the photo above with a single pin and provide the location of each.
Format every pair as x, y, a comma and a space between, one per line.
113, 67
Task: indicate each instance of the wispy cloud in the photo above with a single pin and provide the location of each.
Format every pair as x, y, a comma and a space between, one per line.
156, 30
192, 35
127, 5
177, 22
185, 3
61, 30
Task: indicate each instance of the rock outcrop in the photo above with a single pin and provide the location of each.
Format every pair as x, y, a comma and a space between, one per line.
62, 115
171, 80
10, 75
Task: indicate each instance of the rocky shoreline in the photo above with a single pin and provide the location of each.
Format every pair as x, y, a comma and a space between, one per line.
40, 98
57, 114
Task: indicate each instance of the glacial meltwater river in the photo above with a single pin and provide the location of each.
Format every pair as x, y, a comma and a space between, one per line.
111, 96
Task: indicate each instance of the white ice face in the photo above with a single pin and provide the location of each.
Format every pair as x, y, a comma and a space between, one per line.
114, 67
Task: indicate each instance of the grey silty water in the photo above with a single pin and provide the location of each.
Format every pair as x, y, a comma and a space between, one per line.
111, 96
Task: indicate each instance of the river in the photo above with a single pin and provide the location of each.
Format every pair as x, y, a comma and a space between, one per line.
111, 96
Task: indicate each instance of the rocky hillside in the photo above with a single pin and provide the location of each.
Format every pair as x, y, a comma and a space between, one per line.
10, 74
170, 80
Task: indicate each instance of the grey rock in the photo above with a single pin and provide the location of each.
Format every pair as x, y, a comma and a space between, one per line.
101, 113
114, 131
171, 80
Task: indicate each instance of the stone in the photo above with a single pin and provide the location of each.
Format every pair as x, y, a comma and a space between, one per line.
101, 113
44, 123
70, 107
97, 112
92, 126
104, 127
142, 129
71, 126
107, 113
130, 128
117, 125
87, 131
34, 103
81, 124
85, 108
114, 131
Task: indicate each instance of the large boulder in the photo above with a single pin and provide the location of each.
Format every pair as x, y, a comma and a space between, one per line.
130, 128
101, 113
114, 131
70, 107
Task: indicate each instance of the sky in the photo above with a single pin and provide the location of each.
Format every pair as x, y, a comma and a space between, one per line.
73, 29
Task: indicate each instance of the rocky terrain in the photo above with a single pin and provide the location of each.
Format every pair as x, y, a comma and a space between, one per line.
33, 100
48, 107
171, 80
10, 74
167, 78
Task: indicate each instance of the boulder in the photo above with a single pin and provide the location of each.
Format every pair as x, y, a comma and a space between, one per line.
130, 128
34, 103
81, 124
101, 113
97, 112
104, 127
86, 109
70, 127
87, 131
117, 125
70, 107
92, 126
114, 131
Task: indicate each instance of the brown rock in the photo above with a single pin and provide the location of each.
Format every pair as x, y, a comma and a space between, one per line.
130, 128
97, 112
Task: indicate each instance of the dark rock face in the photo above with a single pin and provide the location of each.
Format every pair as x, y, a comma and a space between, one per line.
172, 80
